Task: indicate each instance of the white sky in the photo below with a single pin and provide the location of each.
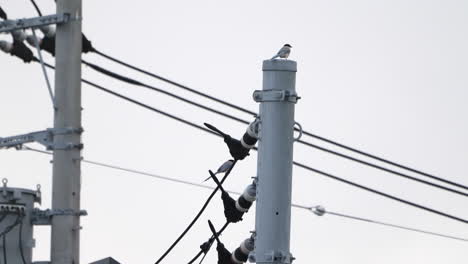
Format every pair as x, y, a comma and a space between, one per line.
389, 77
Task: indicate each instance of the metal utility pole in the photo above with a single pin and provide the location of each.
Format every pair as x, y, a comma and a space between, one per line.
67, 137
275, 156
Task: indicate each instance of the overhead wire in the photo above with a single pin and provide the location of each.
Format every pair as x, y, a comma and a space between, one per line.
135, 82
41, 60
395, 226
294, 162
242, 109
36, 7
138, 83
197, 216
294, 205
254, 114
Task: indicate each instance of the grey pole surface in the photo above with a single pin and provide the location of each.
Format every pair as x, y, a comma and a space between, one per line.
274, 168
66, 182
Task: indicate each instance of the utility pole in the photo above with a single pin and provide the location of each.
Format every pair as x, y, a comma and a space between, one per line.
275, 157
66, 182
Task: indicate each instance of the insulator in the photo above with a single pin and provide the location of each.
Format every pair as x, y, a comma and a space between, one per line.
19, 35
250, 138
32, 40
241, 254
6, 46
48, 31
244, 202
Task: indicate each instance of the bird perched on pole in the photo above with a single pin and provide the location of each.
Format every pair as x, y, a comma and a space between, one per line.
283, 52
223, 168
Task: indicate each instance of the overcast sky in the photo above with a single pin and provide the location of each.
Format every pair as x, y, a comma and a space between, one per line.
388, 77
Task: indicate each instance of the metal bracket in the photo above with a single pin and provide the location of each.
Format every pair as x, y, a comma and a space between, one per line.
275, 96
44, 217
272, 257
45, 138
12, 25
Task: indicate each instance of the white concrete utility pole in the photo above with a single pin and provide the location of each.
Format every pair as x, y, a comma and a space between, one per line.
275, 157
67, 138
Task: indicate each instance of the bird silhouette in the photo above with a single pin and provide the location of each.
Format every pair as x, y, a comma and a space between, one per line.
223, 168
283, 52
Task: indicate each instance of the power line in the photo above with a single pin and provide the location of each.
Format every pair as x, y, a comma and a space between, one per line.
36, 7
395, 226
382, 168
294, 162
329, 141
197, 216
135, 82
176, 84
380, 193
294, 205
254, 114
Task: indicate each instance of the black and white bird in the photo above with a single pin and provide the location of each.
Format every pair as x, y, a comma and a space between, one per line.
223, 168
283, 52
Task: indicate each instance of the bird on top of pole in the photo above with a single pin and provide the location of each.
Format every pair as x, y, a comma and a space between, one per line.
283, 52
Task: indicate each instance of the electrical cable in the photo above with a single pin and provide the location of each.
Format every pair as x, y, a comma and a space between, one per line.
380, 193
36, 7
5, 261
382, 168
298, 206
294, 162
10, 227
20, 242
36, 42
196, 217
395, 226
135, 82
329, 141
175, 83
142, 104
91, 49
208, 245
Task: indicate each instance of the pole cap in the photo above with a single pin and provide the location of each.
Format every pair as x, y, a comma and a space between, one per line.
280, 65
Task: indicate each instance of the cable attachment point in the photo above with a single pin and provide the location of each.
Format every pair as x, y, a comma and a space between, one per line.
318, 210
299, 128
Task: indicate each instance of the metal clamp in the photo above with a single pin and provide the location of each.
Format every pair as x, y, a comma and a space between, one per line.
272, 257
12, 25
44, 217
65, 146
275, 96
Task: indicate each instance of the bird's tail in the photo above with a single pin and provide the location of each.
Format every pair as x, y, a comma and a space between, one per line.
274, 57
